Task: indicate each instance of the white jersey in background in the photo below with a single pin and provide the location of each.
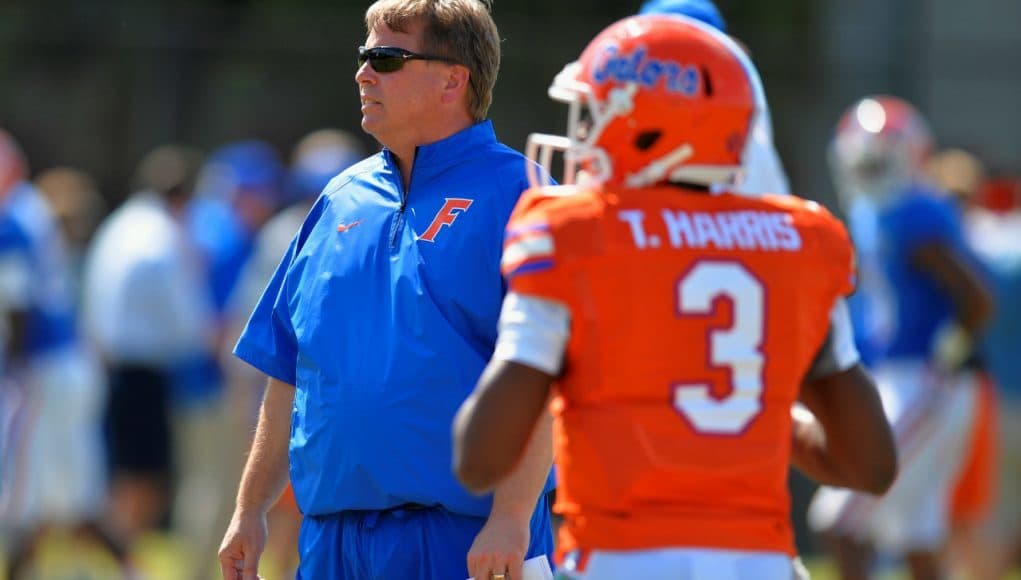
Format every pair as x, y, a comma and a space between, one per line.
51, 466
144, 298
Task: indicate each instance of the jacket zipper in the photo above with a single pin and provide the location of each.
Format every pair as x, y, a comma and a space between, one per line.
399, 220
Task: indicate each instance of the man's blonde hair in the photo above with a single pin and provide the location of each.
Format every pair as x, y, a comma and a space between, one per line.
461, 30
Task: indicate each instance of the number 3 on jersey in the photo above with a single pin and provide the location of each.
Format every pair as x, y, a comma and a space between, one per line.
737, 348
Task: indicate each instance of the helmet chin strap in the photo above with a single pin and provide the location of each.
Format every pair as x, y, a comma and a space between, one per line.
657, 170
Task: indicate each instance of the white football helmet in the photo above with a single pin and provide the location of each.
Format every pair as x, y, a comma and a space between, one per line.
880, 147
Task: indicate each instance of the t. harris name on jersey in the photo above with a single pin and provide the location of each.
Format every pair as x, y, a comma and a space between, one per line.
770, 231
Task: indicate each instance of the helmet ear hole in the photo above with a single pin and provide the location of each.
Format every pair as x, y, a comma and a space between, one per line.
647, 139
707, 81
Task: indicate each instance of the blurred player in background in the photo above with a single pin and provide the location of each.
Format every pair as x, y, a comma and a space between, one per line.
987, 532
937, 306
317, 158
53, 463
78, 207
680, 324
994, 229
239, 188
146, 311
961, 175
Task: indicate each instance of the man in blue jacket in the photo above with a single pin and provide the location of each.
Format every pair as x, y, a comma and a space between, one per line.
381, 318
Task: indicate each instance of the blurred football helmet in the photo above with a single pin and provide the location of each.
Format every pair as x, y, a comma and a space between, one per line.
13, 168
319, 157
240, 169
880, 146
701, 10
653, 98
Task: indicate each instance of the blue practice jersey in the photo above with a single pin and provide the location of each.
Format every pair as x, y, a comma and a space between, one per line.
384, 313
32, 249
1000, 344
996, 239
225, 246
918, 217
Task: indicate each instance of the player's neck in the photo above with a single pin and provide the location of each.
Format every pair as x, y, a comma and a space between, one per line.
692, 187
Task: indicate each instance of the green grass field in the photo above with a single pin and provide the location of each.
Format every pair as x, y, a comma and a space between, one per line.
161, 557
157, 557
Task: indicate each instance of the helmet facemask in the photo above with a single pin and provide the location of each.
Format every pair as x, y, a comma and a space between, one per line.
585, 162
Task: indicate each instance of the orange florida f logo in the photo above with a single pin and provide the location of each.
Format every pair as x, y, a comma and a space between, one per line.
446, 216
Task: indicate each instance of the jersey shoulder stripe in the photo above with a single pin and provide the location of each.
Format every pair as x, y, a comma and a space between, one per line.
527, 248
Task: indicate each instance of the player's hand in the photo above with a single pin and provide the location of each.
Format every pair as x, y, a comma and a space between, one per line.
952, 346
807, 435
499, 548
242, 546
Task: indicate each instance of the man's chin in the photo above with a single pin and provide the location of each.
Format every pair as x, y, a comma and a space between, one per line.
369, 125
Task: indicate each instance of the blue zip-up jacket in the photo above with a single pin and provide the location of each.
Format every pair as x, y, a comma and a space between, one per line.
384, 313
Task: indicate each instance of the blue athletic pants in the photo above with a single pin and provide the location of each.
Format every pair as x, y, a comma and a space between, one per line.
400, 544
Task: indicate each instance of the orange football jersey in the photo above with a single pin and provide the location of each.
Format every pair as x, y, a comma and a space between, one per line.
694, 318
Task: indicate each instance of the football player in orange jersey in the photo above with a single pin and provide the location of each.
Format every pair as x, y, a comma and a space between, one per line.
679, 325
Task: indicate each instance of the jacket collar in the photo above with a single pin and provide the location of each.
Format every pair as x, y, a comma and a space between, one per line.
451, 150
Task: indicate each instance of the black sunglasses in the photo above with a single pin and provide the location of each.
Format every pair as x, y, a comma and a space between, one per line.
388, 59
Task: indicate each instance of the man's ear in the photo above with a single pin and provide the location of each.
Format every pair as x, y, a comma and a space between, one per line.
455, 83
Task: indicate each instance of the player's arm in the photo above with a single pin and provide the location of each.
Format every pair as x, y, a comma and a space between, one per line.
972, 301
503, 541
844, 438
495, 425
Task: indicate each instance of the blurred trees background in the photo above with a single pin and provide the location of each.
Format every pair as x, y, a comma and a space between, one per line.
96, 83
